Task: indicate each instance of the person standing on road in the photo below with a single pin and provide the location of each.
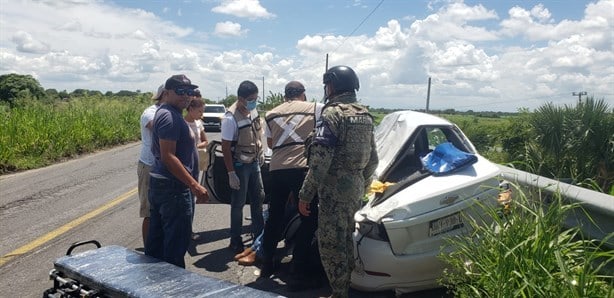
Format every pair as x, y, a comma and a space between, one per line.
173, 178
243, 155
342, 160
193, 116
288, 126
146, 159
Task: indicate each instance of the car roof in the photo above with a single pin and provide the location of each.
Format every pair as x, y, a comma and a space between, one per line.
394, 130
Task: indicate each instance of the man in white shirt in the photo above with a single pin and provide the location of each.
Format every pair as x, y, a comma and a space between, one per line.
146, 159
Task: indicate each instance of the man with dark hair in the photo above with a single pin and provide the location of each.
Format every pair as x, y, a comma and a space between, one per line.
174, 176
288, 126
243, 155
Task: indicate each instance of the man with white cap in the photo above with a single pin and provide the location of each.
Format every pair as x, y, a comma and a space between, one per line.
146, 159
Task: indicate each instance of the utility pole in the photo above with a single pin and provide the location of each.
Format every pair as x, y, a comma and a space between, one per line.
326, 65
262, 88
579, 94
428, 96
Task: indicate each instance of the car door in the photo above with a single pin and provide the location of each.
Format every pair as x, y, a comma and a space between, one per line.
215, 177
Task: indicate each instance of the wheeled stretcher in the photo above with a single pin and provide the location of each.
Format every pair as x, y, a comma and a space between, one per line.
115, 271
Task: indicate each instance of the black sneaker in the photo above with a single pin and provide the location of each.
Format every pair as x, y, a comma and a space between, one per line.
268, 268
303, 283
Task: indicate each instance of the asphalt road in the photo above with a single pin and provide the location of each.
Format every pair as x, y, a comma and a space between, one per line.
43, 211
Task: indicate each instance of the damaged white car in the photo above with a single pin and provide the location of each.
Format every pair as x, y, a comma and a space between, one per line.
401, 230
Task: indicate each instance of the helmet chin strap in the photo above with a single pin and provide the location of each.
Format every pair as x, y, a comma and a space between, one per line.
326, 97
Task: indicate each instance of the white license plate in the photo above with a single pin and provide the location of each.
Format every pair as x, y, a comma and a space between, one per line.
445, 224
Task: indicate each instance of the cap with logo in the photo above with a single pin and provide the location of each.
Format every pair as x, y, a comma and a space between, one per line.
178, 81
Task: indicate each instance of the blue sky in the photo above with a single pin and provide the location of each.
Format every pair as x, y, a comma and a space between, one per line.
481, 55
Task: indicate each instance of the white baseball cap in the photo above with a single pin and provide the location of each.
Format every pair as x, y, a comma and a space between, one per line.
159, 93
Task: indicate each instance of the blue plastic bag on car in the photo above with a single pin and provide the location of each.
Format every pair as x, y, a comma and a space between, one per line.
446, 158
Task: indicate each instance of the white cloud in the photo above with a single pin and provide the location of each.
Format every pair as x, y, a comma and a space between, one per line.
227, 29
89, 41
250, 9
72, 26
463, 48
185, 60
530, 24
540, 13
453, 22
25, 43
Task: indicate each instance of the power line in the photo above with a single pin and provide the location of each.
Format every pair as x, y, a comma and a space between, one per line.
342, 42
362, 22
350, 35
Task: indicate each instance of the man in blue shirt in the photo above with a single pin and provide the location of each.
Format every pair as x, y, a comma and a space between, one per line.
174, 176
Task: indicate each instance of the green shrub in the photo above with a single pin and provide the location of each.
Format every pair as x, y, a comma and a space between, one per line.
526, 254
37, 134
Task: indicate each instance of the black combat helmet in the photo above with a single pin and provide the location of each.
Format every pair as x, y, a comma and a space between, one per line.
343, 79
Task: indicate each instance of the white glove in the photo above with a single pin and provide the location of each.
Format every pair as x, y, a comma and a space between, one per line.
233, 180
261, 159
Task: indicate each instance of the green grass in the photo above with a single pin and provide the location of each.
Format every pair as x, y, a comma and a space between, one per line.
36, 134
485, 133
526, 253
377, 117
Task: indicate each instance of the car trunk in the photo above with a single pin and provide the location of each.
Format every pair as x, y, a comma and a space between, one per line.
416, 219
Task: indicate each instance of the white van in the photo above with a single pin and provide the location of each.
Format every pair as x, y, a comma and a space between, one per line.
212, 117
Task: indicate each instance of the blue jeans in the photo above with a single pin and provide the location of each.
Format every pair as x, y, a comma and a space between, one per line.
257, 244
251, 186
170, 222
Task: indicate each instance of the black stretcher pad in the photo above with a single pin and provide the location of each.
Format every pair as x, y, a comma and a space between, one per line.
119, 272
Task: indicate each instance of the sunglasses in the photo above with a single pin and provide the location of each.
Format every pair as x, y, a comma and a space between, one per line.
185, 91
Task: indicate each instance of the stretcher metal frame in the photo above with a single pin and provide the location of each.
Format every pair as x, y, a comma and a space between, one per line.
115, 271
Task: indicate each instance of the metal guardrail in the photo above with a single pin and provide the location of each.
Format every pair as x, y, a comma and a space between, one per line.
599, 206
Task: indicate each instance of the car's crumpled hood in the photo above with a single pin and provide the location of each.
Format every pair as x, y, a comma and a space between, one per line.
434, 192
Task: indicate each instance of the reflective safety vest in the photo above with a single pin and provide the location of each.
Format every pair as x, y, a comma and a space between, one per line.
290, 123
248, 146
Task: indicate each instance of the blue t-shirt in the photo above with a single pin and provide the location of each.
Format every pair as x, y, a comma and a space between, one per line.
168, 124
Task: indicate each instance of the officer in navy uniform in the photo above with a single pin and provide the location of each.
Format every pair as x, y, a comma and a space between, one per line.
342, 160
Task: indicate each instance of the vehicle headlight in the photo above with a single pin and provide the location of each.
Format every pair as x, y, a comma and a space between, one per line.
372, 230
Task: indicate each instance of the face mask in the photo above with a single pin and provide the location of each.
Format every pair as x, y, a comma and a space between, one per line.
251, 105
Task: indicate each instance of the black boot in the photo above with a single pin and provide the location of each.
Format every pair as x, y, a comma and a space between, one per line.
267, 269
302, 282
